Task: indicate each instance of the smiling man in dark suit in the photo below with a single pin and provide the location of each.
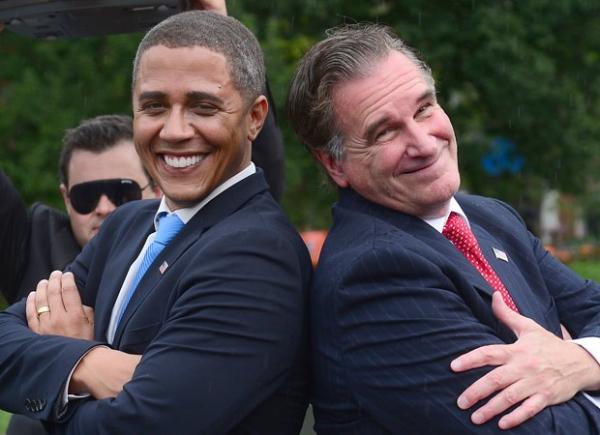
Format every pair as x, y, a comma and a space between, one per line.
414, 277
199, 298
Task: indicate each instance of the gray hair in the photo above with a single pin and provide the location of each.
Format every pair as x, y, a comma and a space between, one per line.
348, 52
218, 33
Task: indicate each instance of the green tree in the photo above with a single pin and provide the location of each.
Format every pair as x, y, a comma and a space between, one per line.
526, 71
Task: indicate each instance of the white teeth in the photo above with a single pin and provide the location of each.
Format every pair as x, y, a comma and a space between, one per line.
182, 162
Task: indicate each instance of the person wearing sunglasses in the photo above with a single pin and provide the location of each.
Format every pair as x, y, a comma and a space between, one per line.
99, 171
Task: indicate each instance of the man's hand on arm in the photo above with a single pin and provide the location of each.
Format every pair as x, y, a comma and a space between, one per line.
55, 308
102, 372
536, 371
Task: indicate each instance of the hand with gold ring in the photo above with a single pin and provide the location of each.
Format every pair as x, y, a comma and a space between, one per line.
42, 310
59, 298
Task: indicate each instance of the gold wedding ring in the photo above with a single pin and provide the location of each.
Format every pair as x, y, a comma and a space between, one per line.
42, 310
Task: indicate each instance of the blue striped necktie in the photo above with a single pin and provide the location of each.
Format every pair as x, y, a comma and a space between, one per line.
168, 227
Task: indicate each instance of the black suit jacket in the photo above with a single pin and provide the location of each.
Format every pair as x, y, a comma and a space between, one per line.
393, 302
222, 329
33, 243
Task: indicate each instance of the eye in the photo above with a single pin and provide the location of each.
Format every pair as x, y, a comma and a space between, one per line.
384, 134
151, 107
204, 109
424, 110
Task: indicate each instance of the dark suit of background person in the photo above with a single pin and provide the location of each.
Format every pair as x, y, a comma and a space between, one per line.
393, 302
222, 328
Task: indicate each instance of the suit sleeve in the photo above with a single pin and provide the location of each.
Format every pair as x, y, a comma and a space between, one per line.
268, 153
397, 339
227, 344
14, 236
34, 368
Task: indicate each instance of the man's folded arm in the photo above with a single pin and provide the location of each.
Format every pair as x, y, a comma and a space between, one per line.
228, 343
34, 368
424, 326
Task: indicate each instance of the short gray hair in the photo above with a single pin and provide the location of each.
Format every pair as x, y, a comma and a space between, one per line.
348, 52
218, 33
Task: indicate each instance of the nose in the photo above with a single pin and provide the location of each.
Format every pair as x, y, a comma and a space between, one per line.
104, 206
176, 127
419, 141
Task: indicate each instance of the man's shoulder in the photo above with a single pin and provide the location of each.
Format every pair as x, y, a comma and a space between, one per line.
42, 214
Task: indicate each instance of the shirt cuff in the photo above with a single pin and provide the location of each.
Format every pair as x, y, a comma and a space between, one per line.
66, 397
592, 346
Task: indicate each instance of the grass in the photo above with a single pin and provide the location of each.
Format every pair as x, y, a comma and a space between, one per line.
587, 268
4, 416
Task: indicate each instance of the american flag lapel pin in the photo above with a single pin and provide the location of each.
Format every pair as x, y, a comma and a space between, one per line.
500, 255
163, 267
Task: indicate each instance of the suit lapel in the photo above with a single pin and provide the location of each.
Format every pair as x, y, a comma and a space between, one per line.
215, 211
121, 256
427, 236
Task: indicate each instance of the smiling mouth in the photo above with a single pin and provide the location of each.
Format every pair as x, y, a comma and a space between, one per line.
421, 167
182, 162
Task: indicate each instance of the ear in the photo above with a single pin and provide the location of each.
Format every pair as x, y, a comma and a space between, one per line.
257, 115
157, 191
333, 167
65, 196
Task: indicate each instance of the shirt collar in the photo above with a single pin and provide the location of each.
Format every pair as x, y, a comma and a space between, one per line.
185, 214
438, 223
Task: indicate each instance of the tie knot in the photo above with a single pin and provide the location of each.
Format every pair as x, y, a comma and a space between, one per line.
458, 232
168, 227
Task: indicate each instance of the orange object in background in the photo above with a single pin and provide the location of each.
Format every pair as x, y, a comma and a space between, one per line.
314, 240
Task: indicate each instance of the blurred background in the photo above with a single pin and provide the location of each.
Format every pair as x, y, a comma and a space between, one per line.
520, 80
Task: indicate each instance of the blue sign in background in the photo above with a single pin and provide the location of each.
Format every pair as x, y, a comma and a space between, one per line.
502, 158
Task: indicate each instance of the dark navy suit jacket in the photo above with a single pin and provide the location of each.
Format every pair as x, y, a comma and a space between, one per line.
393, 302
222, 330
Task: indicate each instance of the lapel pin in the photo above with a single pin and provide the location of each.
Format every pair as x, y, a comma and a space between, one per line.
500, 255
163, 267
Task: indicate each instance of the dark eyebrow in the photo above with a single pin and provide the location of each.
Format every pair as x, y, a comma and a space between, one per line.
152, 95
204, 96
428, 94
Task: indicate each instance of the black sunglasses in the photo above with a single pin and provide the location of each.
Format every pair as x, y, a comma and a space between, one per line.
85, 196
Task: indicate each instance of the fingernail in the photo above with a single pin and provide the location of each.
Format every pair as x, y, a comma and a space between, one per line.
56, 273
477, 418
462, 402
455, 365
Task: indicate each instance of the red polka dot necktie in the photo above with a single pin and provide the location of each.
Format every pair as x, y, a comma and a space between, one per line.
458, 232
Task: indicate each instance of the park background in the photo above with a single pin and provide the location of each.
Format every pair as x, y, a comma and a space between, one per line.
520, 80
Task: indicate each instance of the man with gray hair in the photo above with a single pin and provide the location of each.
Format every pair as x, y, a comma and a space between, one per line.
426, 301
199, 298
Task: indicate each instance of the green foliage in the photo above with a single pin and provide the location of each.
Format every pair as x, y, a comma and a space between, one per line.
527, 71
4, 418
587, 269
